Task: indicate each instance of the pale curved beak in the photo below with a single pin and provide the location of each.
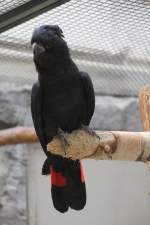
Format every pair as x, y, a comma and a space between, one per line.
37, 49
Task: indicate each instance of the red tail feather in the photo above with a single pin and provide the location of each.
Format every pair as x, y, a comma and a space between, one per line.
81, 173
68, 191
57, 179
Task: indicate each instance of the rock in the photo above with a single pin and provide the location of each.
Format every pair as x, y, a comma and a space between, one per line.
13, 205
14, 110
15, 107
116, 113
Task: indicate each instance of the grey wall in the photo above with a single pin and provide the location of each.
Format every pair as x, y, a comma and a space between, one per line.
112, 113
14, 110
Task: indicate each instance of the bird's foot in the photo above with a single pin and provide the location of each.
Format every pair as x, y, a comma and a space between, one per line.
63, 139
90, 131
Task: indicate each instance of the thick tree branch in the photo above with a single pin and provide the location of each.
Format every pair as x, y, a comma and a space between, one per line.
17, 135
144, 106
114, 145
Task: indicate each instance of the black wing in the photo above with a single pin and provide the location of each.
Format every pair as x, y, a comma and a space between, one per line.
36, 110
89, 96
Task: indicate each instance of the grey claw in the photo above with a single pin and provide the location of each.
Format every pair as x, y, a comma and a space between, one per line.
90, 131
63, 139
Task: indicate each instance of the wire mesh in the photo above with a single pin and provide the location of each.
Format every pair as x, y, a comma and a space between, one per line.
108, 39
7, 5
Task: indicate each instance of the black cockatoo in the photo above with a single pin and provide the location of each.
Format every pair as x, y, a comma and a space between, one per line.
62, 100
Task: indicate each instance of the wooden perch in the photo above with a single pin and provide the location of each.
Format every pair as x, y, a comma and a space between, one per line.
144, 106
17, 135
114, 145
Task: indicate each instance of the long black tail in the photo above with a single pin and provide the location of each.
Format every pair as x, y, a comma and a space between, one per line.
68, 188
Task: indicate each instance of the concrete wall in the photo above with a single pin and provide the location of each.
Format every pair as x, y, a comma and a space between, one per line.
112, 113
14, 110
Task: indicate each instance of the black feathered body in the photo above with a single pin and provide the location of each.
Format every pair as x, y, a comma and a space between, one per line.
63, 95
62, 98
65, 107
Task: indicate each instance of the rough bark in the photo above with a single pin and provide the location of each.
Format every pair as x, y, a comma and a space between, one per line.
115, 145
17, 135
144, 106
